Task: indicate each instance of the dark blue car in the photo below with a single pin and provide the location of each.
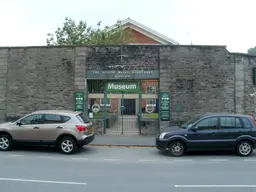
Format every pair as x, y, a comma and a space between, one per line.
211, 132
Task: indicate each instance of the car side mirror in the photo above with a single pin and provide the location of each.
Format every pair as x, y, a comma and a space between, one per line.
18, 123
195, 128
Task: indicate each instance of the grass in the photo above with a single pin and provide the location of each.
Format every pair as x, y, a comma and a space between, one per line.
100, 115
152, 115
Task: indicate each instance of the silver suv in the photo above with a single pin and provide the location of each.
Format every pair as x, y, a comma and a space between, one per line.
66, 130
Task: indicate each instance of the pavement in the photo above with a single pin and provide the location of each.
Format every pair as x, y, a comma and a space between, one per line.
124, 140
118, 169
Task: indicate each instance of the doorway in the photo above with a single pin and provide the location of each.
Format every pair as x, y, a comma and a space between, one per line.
129, 107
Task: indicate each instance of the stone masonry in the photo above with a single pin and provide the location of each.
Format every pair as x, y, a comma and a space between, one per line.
165, 77
244, 64
80, 70
134, 58
39, 78
200, 78
3, 80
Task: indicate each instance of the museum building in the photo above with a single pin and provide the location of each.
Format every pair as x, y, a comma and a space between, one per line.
137, 88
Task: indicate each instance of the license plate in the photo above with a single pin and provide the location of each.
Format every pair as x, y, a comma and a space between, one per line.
91, 130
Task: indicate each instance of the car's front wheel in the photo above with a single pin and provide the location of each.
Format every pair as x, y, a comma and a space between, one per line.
5, 142
244, 148
67, 145
177, 148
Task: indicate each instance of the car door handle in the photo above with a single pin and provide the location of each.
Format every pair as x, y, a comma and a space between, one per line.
59, 127
36, 128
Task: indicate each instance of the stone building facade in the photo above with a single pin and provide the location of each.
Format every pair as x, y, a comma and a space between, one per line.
200, 79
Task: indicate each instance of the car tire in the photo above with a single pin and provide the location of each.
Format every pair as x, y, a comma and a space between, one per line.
177, 148
5, 142
244, 148
67, 145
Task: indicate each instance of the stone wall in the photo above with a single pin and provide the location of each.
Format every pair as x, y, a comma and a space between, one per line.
3, 78
39, 78
165, 68
200, 78
244, 86
134, 58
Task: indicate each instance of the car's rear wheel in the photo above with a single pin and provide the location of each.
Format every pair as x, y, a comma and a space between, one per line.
177, 148
67, 145
5, 142
244, 148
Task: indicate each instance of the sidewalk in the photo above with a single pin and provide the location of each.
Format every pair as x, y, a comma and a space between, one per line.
120, 140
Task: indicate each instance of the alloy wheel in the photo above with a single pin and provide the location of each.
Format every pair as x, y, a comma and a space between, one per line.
245, 148
67, 146
4, 143
177, 149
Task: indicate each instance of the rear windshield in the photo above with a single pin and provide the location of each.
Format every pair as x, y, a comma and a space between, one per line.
83, 118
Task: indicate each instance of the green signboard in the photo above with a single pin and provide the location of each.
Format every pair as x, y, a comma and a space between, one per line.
136, 74
122, 87
165, 106
79, 101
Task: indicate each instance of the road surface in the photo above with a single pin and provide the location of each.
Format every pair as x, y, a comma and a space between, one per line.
115, 169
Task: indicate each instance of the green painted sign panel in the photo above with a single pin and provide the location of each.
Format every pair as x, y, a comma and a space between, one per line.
165, 106
79, 101
122, 87
136, 74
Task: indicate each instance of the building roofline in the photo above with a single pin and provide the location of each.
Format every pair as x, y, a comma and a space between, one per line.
150, 32
114, 45
242, 54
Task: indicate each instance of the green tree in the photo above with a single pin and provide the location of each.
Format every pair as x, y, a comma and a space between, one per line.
252, 51
72, 33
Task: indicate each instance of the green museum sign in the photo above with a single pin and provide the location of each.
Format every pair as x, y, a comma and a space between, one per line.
122, 87
165, 106
79, 101
136, 74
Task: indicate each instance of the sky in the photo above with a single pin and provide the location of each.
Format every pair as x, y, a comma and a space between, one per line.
203, 22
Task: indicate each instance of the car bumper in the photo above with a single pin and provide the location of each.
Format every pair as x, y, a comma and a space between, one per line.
86, 141
161, 144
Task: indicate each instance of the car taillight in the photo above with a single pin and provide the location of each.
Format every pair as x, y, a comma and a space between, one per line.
253, 120
81, 128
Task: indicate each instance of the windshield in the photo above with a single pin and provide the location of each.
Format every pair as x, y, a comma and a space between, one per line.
190, 122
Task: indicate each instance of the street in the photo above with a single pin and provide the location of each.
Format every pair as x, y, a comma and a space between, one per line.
124, 169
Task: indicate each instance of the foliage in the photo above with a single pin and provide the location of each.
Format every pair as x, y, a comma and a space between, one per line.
252, 51
72, 33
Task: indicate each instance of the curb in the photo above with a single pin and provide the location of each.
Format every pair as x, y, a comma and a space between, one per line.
121, 145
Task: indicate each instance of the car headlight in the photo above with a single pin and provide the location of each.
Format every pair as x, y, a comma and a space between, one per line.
162, 135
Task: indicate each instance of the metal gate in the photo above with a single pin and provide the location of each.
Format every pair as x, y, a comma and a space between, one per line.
124, 113
126, 107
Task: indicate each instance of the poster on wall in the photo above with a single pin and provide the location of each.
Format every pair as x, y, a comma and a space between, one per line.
79, 101
165, 106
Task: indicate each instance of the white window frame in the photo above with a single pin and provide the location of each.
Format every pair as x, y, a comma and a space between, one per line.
152, 88
151, 102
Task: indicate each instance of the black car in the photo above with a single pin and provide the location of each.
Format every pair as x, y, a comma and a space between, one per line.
211, 132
